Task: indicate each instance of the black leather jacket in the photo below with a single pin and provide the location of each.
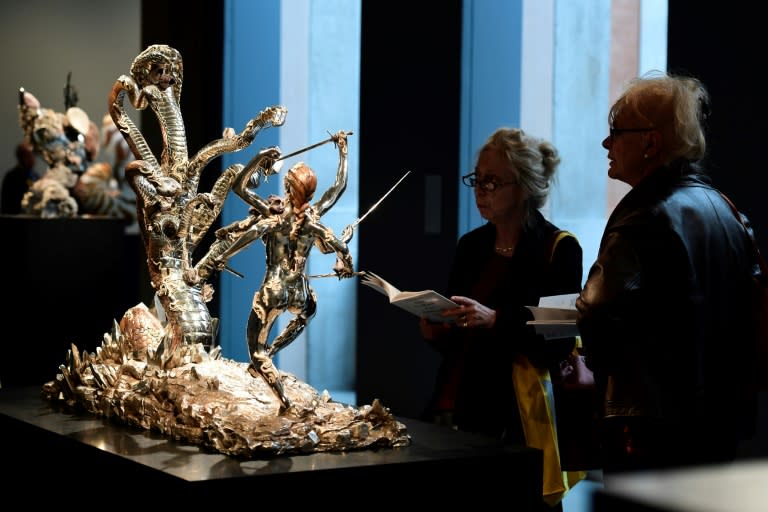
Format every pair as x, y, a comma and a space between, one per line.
663, 314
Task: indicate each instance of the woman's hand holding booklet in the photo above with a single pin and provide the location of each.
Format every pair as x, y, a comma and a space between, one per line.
424, 304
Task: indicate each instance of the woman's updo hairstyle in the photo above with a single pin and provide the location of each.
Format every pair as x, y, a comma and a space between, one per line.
535, 160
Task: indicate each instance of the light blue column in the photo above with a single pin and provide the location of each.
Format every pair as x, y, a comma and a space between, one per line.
581, 76
653, 35
320, 85
490, 84
304, 55
542, 65
251, 82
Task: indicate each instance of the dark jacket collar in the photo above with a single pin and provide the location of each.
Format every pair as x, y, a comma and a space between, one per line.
662, 182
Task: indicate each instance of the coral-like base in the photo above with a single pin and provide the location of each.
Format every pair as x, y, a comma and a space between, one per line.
216, 403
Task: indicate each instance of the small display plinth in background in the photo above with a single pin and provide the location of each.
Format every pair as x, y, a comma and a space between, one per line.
65, 283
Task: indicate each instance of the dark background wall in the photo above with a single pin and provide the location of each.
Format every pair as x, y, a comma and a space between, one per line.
722, 46
409, 120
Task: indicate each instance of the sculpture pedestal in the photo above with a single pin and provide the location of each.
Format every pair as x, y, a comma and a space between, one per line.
88, 457
64, 282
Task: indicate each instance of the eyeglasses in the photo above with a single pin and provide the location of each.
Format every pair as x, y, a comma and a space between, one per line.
618, 131
471, 180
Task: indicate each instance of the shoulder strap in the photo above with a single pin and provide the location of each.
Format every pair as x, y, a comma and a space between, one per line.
558, 235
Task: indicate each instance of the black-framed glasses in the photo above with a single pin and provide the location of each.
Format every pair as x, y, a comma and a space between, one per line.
618, 131
471, 180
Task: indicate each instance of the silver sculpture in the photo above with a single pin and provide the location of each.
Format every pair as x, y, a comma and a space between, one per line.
160, 369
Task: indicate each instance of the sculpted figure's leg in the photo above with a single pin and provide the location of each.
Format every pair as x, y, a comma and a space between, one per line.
295, 326
259, 324
261, 365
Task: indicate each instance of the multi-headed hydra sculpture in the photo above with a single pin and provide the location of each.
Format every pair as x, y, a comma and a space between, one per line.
173, 216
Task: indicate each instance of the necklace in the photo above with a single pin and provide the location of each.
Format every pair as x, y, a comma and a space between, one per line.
503, 250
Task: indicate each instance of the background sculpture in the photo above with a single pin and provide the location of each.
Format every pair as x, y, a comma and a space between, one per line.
75, 183
47, 131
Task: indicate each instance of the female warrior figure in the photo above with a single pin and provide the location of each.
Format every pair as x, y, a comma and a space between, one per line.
289, 228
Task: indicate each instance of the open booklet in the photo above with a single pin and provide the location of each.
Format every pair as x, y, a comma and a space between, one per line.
426, 303
555, 316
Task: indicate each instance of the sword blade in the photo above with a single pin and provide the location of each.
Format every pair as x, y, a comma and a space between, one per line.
332, 274
305, 149
289, 155
377, 203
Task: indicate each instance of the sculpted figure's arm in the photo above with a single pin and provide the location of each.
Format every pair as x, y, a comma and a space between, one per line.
243, 234
252, 234
333, 193
244, 187
326, 241
343, 266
